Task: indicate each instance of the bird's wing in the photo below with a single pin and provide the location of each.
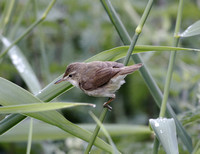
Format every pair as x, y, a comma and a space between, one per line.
114, 64
99, 77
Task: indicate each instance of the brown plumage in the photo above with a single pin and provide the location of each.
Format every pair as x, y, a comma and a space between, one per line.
100, 79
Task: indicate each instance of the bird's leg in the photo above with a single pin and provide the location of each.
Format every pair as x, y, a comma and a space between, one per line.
108, 102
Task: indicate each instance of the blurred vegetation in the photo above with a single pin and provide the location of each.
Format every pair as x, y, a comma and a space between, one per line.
76, 30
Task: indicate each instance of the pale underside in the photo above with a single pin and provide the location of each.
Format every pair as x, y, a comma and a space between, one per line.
99, 79
107, 90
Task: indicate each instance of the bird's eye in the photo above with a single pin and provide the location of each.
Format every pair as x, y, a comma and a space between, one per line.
70, 75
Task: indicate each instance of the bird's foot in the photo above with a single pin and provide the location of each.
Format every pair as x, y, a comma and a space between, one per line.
105, 105
108, 102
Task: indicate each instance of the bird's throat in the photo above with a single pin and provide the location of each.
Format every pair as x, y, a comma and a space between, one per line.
73, 82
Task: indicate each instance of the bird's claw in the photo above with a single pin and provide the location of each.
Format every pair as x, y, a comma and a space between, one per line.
105, 105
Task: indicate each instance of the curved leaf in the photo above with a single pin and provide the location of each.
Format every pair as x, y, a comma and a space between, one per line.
11, 94
39, 107
22, 66
192, 30
165, 130
120, 52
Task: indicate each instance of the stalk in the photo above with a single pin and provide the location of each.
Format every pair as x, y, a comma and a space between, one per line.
29, 29
155, 146
96, 131
138, 30
170, 66
20, 17
30, 134
149, 80
7, 15
172, 60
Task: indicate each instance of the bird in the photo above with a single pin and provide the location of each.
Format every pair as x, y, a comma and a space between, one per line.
98, 78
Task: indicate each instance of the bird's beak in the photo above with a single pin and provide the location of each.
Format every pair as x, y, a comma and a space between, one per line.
59, 81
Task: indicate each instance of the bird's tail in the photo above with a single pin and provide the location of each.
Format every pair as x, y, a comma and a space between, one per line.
130, 69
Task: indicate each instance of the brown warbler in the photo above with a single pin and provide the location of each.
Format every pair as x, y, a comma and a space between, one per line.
99, 79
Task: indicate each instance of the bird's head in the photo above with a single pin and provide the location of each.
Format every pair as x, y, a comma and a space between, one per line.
71, 74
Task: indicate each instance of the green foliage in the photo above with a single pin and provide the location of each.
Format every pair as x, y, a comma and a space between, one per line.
79, 31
